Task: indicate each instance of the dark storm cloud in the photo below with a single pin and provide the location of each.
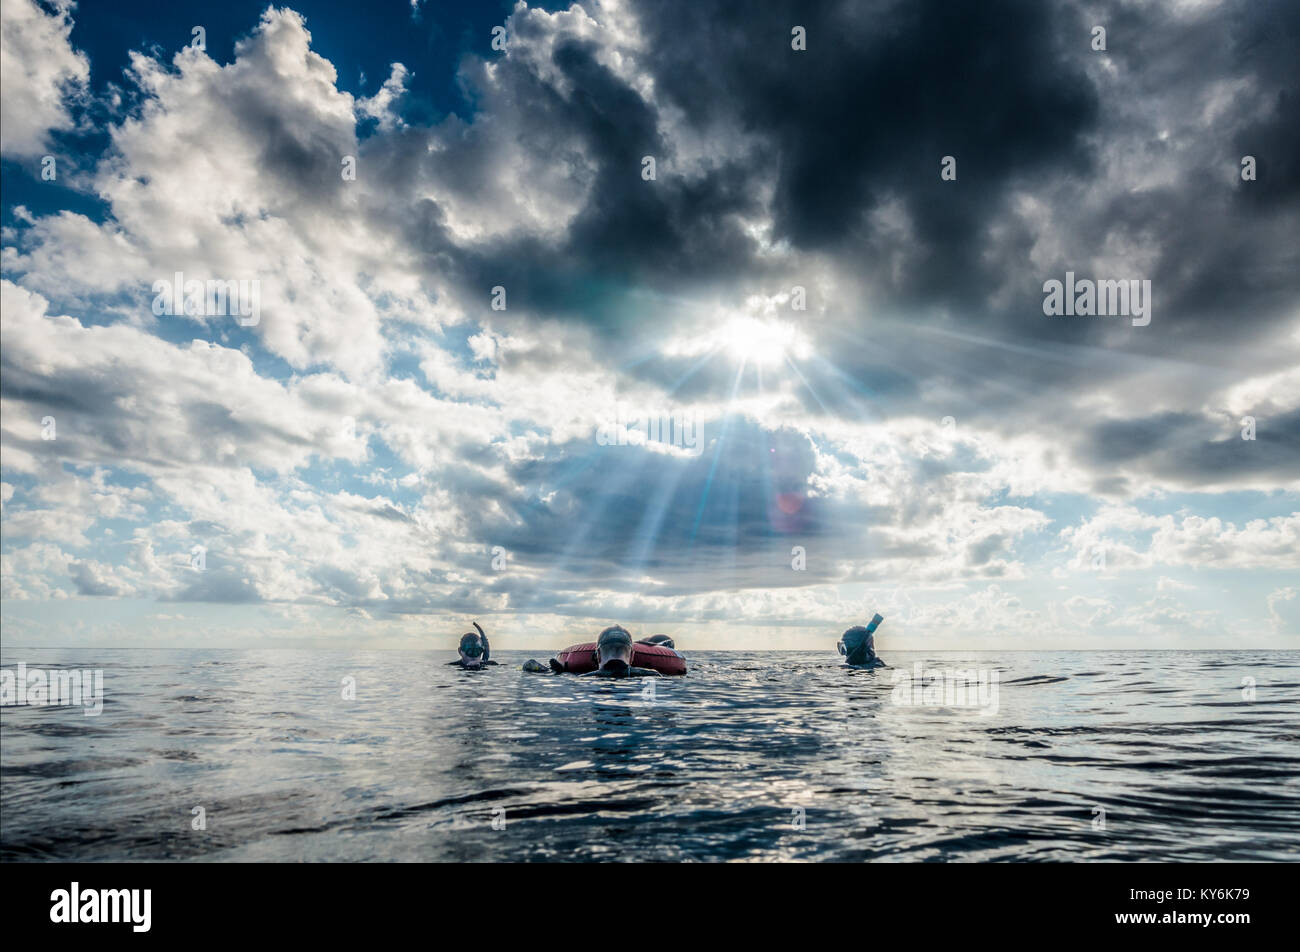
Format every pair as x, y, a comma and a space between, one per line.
854, 128
726, 499
887, 88
632, 235
1120, 441
1200, 91
1266, 41
615, 513
884, 91
1195, 450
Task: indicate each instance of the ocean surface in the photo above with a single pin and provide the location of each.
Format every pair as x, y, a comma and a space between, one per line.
1116, 756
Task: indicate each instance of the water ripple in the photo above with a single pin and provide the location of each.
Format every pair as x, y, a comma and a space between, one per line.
753, 757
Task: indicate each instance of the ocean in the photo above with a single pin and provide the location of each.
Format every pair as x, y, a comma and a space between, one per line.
283, 755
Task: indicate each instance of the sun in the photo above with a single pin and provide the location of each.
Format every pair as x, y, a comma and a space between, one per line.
752, 340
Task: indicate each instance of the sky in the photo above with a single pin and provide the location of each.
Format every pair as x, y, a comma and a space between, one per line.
480, 247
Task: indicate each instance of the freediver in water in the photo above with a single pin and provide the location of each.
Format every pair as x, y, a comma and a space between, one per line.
858, 645
474, 650
613, 656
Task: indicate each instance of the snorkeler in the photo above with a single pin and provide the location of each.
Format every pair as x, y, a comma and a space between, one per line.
474, 650
858, 645
615, 655
664, 641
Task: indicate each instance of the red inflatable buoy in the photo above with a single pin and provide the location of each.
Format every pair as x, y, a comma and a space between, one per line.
579, 659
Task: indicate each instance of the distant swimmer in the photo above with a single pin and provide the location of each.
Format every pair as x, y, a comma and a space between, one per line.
474, 650
662, 640
858, 645
615, 655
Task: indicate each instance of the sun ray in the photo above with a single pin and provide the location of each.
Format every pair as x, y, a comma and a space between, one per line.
717, 453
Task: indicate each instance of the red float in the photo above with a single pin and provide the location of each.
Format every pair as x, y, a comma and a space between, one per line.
580, 659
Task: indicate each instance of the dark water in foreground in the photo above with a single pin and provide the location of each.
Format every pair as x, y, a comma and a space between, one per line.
715, 766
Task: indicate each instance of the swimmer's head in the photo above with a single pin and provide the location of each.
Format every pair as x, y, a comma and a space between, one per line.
614, 650
858, 645
473, 648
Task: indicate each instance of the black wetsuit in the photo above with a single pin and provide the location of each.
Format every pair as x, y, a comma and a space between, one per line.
627, 671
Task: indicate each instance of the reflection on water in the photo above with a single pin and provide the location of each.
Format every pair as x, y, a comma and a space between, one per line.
430, 762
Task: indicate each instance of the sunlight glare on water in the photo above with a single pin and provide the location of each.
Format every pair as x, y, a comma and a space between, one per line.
753, 756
